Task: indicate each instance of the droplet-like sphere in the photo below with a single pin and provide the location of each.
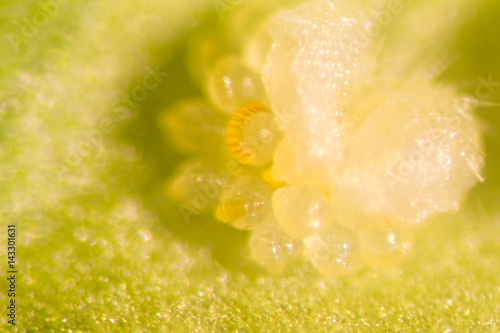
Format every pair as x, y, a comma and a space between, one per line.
251, 134
199, 185
302, 210
335, 252
245, 203
383, 248
232, 85
272, 248
192, 127
256, 49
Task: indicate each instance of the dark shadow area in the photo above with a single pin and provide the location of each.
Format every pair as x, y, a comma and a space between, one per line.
227, 245
478, 47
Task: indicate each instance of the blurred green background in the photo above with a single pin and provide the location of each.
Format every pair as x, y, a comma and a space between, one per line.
100, 248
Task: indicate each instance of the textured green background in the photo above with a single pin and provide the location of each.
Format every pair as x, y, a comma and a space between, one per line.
99, 247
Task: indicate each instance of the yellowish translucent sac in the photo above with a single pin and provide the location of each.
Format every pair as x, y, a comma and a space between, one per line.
247, 27
252, 135
232, 84
285, 166
335, 252
245, 202
315, 59
198, 185
192, 127
256, 49
272, 248
302, 210
390, 152
418, 152
384, 248
204, 49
